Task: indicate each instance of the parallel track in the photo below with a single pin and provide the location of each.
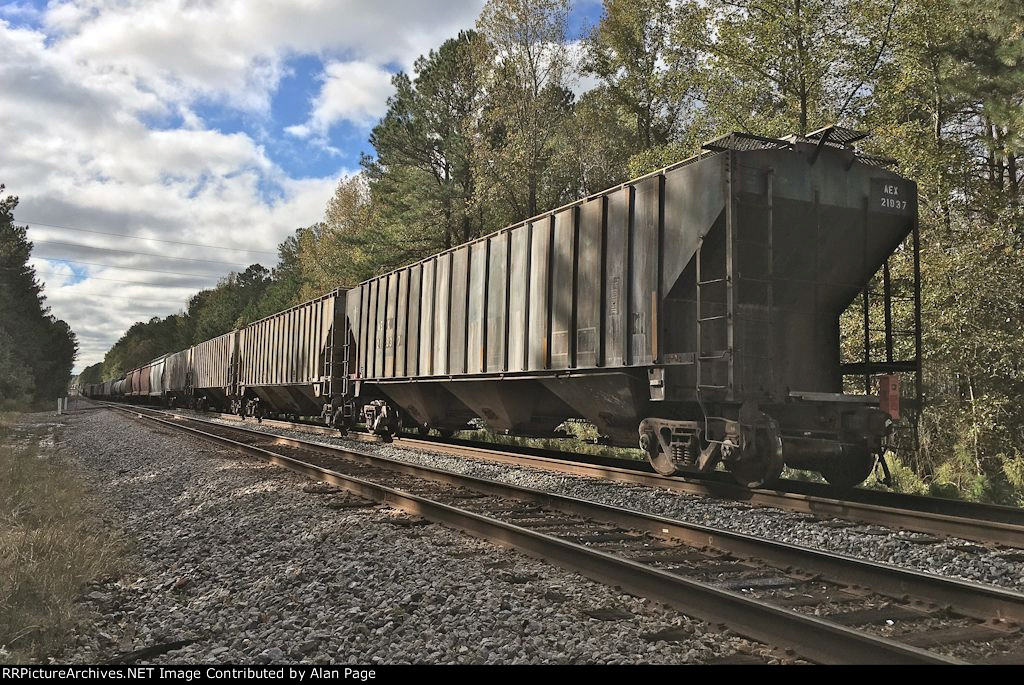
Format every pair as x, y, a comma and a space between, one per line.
988, 523
759, 588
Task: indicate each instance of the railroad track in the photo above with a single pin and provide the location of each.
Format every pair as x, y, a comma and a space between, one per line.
825, 607
987, 523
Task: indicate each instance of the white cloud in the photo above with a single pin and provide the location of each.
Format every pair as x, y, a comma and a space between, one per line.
80, 91
351, 91
233, 49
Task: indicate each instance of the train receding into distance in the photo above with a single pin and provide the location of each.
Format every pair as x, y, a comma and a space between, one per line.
693, 311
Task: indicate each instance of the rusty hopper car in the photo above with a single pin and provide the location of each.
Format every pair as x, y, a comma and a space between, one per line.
212, 381
694, 311
291, 363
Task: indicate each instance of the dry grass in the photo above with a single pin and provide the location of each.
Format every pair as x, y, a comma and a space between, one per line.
51, 544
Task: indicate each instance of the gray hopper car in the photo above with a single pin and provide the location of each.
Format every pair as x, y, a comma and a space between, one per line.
290, 362
212, 372
694, 310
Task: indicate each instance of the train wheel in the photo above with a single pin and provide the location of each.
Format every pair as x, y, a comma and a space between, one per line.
660, 460
850, 470
663, 464
758, 461
424, 431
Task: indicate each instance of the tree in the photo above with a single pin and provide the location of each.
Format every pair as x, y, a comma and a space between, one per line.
342, 250
285, 287
787, 66
527, 106
37, 350
424, 174
941, 105
647, 75
232, 304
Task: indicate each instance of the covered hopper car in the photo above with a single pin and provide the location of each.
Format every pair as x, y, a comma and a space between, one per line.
693, 311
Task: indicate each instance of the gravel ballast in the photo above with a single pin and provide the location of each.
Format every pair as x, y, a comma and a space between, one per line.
950, 557
246, 563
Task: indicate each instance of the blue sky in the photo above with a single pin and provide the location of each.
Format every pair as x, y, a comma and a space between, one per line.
148, 134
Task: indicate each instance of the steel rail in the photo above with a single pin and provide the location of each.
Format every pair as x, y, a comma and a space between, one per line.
993, 524
918, 520
755, 619
972, 599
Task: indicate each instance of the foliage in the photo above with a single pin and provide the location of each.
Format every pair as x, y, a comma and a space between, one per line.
37, 350
52, 542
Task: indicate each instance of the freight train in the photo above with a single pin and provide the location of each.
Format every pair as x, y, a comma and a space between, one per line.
693, 311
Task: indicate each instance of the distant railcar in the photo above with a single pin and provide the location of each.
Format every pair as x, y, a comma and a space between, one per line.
292, 363
177, 376
156, 377
213, 372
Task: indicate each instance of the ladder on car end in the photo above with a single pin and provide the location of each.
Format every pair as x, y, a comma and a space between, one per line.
717, 293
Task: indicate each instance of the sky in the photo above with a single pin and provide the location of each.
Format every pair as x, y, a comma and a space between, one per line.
158, 146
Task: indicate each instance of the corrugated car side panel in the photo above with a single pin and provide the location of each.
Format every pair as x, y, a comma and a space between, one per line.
380, 329
401, 323
363, 340
156, 377
538, 335
309, 357
320, 369
144, 381
289, 348
256, 361
353, 309
317, 339
371, 328
497, 301
428, 294
518, 298
476, 315
589, 283
290, 343
391, 324
644, 296
211, 360
287, 330
616, 257
412, 327
250, 359
459, 303
563, 274
303, 362
442, 309
306, 354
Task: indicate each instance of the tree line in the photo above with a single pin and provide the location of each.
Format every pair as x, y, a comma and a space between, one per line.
489, 128
37, 350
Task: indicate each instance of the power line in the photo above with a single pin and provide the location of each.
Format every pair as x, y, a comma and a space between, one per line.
119, 297
135, 237
114, 266
141, 254
114, 280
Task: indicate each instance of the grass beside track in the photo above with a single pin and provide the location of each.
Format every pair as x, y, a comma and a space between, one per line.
52, 543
